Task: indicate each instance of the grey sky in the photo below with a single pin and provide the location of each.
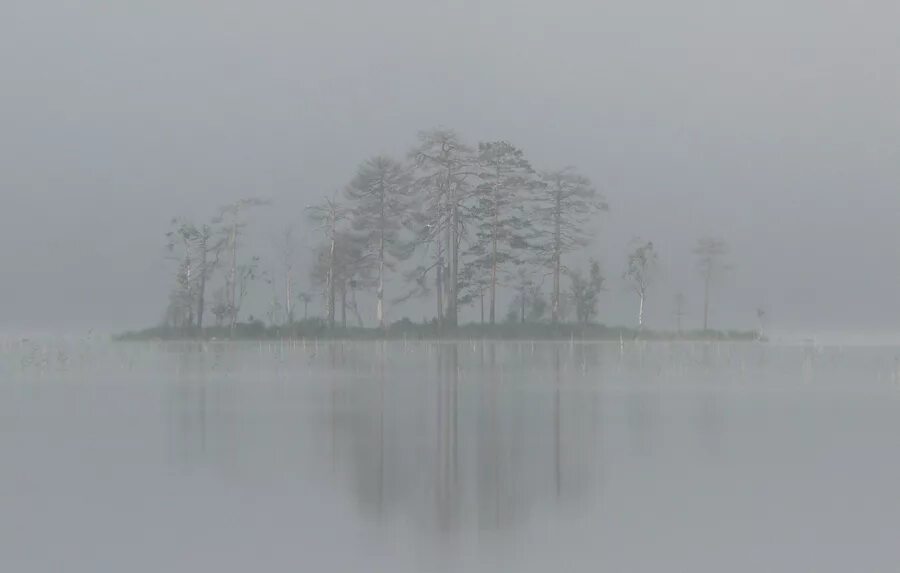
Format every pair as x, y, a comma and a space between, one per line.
773, 124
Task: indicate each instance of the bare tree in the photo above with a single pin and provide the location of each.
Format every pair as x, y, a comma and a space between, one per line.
639, 270
286, 248
181, 245
381, 208
565, 205
198, 250
245, 274
232, 219
710, 253
180, 311
210, 250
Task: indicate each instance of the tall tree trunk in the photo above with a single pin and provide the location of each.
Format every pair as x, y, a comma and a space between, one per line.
454, 267
201, 293
379, 309
495, 208
493, 268
232, 279
439, 284
445, 266
557, 254
189, 278
706, 302
330, 295
641, 311
522, 302
481, 296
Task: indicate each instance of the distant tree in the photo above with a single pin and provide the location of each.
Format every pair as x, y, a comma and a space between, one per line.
286, 252
181, 246
640, 267
197, 250
444, 167
566, 203
339, 268
328, 215
585, 291
711, 264
232, 221
502, 228
381, 208
245, 274
179, 312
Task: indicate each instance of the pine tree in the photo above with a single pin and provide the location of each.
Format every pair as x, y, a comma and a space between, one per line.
566, 203
381, 208
506, 181
444, 169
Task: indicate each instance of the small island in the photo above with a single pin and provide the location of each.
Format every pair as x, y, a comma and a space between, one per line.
405, 329
455, 227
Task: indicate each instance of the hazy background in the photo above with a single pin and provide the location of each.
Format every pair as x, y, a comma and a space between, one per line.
773, 124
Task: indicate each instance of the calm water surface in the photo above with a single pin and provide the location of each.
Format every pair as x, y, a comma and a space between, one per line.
408, 457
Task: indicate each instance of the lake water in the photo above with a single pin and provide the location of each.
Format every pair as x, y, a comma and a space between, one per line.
471, 456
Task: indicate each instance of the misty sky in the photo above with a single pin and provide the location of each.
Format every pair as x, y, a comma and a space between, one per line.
773, 124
